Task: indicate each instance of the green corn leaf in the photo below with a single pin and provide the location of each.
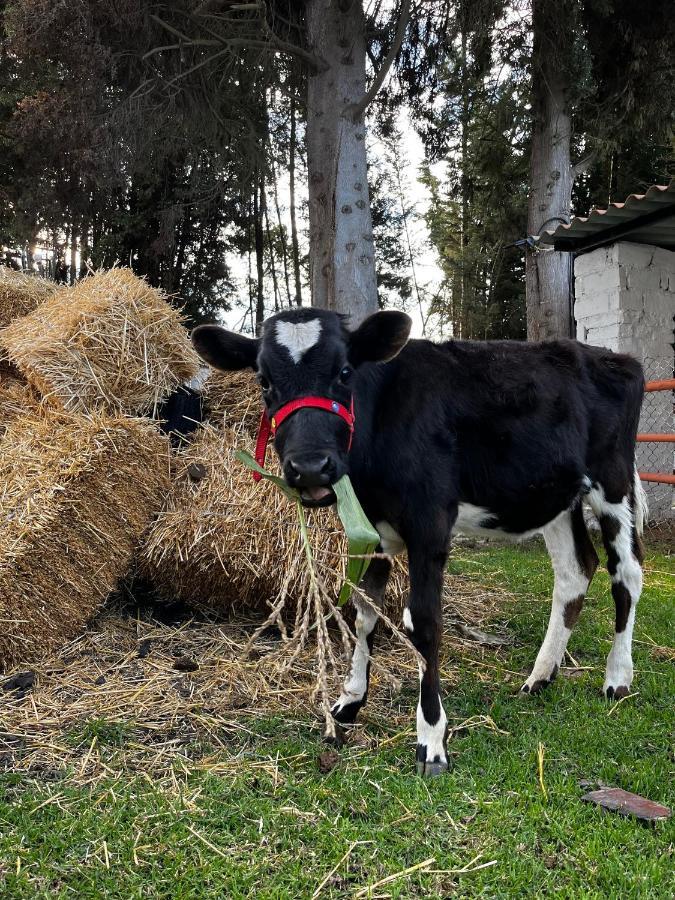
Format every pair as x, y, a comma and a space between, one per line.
244, 457
362, 538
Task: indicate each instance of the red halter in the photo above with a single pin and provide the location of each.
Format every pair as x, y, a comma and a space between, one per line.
268, 427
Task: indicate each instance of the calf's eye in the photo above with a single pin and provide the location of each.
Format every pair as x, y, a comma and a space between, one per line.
264, 383
345, 374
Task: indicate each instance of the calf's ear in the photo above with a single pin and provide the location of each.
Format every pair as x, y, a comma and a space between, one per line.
379, 337
225, 349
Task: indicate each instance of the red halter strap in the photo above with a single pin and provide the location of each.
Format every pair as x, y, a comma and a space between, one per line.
268, 427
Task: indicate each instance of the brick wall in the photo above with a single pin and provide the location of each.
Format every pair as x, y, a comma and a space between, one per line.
625, 300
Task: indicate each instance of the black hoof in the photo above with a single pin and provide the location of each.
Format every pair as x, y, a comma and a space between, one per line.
346, 715
336, 740
431, 769
618, 693
540, 684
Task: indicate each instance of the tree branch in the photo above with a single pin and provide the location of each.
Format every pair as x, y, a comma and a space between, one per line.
583, 165
316, 63
275, 43
356, 110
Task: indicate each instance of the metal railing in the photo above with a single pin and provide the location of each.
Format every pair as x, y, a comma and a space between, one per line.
661, 384
656, 458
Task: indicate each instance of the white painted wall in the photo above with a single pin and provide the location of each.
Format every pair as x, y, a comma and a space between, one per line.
625, 300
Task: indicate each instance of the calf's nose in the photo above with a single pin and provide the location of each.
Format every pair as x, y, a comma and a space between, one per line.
309, 470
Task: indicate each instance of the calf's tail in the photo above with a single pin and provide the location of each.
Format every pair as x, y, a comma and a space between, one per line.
640, 506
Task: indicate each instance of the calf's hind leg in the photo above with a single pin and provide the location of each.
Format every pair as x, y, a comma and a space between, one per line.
624, 564
355, 688
574, 562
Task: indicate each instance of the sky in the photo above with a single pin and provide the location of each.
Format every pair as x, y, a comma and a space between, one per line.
416, 198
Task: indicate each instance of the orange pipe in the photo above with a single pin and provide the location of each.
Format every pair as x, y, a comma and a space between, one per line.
657, 477
656, 438
666, 384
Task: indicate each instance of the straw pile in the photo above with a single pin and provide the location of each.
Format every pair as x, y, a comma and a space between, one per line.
14, 397
224, 543
21, 294
76, 495
109, 343
15, 394
232, 400
124, 670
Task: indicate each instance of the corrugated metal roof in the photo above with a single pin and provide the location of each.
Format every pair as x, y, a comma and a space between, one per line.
647, 218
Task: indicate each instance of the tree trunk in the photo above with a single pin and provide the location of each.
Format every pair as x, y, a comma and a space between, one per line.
73, 254
342, 262
464, 330
251, 303
259, 250
270, 247
179, 264
294, 223
282, 233
548, 273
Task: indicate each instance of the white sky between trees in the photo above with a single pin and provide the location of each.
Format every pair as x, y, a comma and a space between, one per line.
416, 198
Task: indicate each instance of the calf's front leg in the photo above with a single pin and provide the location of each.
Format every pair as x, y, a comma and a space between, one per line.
423, 621
355, 688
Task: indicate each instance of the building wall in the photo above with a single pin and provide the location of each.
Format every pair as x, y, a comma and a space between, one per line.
625, 300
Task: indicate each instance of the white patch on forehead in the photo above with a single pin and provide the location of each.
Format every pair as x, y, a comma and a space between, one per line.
298, 337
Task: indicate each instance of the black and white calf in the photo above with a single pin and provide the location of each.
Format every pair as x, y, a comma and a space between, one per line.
499, 438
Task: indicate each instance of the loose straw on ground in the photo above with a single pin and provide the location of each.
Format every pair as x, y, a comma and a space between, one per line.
164, 722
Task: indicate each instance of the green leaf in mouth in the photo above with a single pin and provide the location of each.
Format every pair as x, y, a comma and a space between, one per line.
362, 538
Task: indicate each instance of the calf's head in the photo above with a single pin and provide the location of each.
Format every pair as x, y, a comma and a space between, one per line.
307, 353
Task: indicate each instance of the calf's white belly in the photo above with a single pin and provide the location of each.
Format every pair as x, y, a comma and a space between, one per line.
469, 521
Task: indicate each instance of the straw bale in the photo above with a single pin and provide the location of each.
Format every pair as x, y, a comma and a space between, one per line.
21, 294
15, 396
110, 343
232, 400
76, 495
226, 544
9, 374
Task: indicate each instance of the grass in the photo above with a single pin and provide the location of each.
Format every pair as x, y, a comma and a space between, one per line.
262, 821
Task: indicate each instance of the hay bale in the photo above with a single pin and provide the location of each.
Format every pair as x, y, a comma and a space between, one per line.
9, 374
15, 396
225, 544
76, 495
20, 294
232, 400
110, 343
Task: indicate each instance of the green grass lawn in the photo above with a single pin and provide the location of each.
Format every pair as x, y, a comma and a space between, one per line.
267, 824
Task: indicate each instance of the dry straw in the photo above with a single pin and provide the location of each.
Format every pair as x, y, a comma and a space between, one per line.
76, 495
232, 400
224, 543
15, 396
171, 723
109, 343
21, 294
